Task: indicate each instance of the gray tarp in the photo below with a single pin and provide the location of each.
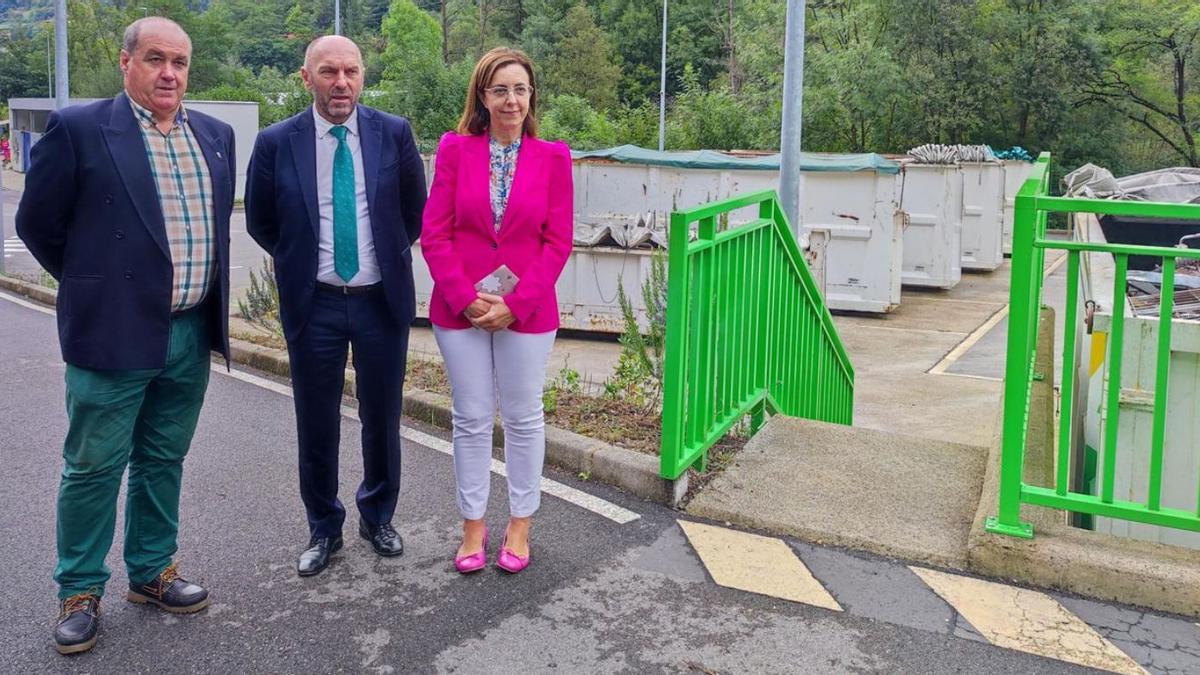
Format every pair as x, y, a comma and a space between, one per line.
1180, 185
711, 159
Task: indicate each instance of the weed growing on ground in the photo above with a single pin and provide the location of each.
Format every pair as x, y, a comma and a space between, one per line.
567, 381
260, 307
639, 374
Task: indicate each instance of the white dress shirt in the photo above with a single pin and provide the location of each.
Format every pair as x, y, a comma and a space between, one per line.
368, 266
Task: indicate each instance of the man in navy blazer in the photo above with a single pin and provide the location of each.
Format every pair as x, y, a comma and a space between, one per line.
335, 195
127, 205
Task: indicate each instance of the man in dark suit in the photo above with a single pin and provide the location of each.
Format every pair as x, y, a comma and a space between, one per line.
335, 195
127, 205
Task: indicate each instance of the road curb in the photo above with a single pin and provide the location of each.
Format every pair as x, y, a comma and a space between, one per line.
631, 471
1059, 557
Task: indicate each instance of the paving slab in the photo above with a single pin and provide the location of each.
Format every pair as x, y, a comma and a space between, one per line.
890, 494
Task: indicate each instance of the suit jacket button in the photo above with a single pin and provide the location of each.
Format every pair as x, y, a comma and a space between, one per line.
120, 234
128, 274
495, 246
107, 199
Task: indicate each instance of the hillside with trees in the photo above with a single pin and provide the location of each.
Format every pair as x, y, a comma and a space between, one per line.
1116, 82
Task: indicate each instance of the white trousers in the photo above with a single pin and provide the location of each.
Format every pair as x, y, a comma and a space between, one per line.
482, 365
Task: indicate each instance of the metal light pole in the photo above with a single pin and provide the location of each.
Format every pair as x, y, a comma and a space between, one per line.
3, 236
49, 65
662, 87
61, 90
793, 95
337, 17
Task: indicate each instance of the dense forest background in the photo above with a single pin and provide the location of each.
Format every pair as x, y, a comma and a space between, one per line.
1115, 82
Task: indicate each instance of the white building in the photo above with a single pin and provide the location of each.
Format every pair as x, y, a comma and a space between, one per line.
30, 115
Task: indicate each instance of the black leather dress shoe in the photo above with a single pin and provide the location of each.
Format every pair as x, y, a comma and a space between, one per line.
384, 538
316, 557
77, 625
171, 592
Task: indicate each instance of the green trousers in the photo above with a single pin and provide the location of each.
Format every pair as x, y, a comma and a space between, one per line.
143, 419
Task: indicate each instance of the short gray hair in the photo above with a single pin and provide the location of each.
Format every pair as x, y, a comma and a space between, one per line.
134, 30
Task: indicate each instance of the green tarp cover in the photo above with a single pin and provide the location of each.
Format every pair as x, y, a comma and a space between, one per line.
710, 159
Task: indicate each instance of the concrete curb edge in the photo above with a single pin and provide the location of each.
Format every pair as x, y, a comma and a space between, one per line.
629, 470
1092, 564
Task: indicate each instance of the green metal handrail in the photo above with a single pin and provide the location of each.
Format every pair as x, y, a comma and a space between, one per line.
747, 332
1033, 204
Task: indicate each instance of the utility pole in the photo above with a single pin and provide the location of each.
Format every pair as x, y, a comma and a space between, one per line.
61, 88
793, 95
3, 236
662, 87
49, 65
337, 17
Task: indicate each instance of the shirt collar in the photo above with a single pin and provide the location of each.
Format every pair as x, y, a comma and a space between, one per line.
146, 118
504, 149
323, 125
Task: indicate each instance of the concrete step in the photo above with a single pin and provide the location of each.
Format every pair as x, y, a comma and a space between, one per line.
890, 494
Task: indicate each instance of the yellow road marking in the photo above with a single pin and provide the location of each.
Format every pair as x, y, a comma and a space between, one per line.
1027, 621
756, 564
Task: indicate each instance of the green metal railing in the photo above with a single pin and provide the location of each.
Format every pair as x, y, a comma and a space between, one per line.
1033, 204
747, 332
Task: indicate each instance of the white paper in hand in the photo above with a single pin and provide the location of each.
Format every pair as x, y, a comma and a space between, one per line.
500, 282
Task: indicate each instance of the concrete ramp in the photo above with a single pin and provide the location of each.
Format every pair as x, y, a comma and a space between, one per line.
894, 495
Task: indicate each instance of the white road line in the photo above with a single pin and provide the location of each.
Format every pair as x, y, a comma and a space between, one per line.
579, 498
35, 307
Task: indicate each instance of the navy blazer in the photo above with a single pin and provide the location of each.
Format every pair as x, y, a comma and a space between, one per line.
282, 211
90, 215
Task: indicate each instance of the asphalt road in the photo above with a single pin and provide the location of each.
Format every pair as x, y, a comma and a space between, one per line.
599, 596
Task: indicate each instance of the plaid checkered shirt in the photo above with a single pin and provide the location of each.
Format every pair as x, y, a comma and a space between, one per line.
185, 195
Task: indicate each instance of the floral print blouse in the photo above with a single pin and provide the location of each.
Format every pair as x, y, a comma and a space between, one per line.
503, 168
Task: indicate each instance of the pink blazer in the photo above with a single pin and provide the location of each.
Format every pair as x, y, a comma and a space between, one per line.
461, 244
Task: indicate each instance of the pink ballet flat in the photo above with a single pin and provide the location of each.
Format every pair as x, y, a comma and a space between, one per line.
508, 561
465, 564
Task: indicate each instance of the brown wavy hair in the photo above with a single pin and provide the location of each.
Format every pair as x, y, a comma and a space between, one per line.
475, 118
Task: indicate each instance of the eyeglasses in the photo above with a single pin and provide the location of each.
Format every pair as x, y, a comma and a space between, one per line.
521, 91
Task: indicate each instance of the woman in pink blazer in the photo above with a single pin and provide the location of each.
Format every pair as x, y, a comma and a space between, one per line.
499, 212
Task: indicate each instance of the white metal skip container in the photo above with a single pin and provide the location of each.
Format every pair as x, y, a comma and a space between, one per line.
932, 196
983, 215
1015, 173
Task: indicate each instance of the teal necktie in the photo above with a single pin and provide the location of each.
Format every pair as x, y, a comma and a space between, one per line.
345, 210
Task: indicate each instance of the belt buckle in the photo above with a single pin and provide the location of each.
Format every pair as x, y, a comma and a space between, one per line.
346, 289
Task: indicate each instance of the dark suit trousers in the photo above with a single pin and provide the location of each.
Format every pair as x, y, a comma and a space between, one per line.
318, 361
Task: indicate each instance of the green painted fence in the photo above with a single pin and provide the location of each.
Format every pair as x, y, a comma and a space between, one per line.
747, 332
1033, 204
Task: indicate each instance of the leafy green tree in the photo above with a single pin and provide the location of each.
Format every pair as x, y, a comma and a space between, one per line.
572, 118
1150, 76
856, 87
708, 119
413, 40
22, 67
418, 84
582, 62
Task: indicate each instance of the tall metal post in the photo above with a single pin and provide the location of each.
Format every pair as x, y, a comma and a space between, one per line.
662, 87
49, 65
62, 91
793, 95
3, 236
337, 17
